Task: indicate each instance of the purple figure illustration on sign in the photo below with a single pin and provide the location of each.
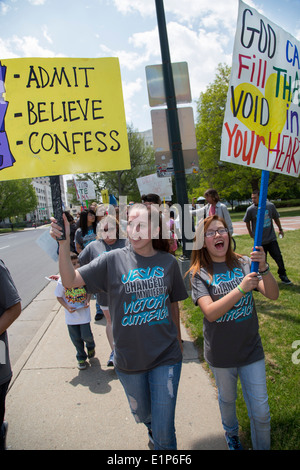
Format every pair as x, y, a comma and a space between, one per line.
6, 158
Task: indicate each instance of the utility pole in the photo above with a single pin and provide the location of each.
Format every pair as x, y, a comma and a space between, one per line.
173, 122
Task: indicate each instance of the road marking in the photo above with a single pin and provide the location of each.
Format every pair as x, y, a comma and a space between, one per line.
2, 247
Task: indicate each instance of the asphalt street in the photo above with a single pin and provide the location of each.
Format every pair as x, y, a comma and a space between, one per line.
27, 262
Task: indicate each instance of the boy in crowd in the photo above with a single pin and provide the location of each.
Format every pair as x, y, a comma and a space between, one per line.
78, 317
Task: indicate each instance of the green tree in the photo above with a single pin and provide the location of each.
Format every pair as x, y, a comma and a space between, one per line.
123, 182
17, 198
210, 111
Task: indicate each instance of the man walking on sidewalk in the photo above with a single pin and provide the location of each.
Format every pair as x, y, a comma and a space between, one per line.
269, 241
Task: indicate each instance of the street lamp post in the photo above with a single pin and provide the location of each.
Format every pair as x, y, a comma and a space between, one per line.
173, 122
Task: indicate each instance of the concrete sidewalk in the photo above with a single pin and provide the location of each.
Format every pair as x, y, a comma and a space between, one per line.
51, 405
288, 223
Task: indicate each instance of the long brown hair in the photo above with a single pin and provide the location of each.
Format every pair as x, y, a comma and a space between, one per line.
200, 258
83, 221
154, 217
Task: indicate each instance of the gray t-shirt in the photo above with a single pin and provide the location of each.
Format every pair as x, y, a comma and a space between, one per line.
271, 213
8, 298
84, 240
233, 340
222, 211
92, 251
140, 291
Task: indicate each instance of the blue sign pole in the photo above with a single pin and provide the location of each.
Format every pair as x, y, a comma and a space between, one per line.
260, 214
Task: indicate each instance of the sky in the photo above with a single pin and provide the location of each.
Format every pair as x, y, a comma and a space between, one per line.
200, 32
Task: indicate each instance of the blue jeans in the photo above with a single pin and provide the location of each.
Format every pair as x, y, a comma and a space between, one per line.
253, 381
152, 399
79, 335
98, 309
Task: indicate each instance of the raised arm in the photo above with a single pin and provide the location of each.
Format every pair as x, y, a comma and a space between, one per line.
69, 276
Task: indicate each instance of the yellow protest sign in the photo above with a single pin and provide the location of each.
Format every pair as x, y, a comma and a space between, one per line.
61, 116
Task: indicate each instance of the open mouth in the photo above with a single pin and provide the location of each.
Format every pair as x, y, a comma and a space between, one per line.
219, 244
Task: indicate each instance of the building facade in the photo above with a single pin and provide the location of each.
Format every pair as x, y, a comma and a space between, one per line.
44, 208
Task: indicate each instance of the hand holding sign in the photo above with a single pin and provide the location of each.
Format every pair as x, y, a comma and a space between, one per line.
56, 203
60, 232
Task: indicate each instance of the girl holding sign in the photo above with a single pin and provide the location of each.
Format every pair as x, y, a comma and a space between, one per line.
222, 286
143, 285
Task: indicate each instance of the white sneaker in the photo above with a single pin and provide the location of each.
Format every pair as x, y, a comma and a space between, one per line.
81, 365
110, 362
